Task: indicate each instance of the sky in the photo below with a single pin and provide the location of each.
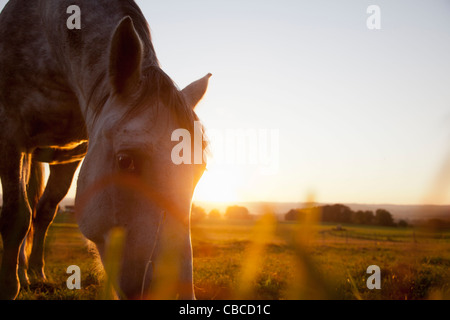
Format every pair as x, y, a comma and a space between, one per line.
324, 105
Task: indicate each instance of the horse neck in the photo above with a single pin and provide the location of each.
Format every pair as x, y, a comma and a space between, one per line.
94, 88
84, 57
95, 93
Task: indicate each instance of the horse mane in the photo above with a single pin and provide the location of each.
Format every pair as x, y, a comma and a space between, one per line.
156, 87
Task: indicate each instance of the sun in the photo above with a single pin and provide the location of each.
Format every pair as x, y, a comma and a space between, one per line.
219, 184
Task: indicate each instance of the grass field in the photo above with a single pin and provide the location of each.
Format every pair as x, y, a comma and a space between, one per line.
270, 259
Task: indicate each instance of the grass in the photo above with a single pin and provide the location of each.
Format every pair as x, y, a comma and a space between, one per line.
332, 265
271, 260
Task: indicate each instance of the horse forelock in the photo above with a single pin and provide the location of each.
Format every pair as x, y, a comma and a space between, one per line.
157, 89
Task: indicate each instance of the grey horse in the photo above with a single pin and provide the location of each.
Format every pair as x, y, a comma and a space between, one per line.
96, 92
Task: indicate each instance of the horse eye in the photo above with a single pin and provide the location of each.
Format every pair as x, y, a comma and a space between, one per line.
125, 162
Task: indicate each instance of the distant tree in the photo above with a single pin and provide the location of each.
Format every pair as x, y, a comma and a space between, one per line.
197, 213
358, 217
300, 215
402, 224
328, 214
344, 213
291, 215
340, 213
369, 217
383, 218
214, 214
437, 225
363, 217
337, 213
237, 212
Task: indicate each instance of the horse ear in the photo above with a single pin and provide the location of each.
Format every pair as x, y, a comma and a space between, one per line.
194, 92
125, 57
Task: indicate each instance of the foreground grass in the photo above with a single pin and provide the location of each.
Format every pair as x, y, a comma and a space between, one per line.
328, 265
276, 260
66, 246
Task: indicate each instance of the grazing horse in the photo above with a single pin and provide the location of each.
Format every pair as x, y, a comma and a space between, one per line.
95, 93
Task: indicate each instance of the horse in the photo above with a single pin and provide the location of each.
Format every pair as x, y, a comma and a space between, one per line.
96, 93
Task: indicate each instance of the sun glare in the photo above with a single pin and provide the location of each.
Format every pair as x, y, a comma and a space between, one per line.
219, 184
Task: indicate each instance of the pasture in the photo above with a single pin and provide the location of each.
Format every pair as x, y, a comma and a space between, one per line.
269, 259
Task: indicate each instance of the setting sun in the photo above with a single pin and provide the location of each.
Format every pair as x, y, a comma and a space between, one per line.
219, 184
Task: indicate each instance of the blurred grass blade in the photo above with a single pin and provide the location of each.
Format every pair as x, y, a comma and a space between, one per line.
263, 233
112, 263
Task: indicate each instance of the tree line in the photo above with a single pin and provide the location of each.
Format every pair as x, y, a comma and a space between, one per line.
339, 213
232, 212
336, 213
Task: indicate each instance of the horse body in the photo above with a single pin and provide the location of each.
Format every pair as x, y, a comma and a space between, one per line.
61, 88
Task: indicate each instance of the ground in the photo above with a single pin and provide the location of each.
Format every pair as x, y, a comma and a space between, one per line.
269, 259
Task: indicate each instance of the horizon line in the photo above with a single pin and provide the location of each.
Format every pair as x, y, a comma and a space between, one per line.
318, 202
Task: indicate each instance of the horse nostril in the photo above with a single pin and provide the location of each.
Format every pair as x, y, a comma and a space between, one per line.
125, 162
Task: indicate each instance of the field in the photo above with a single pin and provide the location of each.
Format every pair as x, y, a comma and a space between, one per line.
269, 259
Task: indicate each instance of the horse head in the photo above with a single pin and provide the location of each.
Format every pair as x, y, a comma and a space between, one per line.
128, 180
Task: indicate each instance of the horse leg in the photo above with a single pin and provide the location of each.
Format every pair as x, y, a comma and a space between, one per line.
34, 191
15, 218
57, 187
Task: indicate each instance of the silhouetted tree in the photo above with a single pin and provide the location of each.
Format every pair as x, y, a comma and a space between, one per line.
402, 224
363, 217
342, 214
369, 217
291, 215
336, 213
296, 215
437, 225
383, 218
237, 212
197, 213
214, 214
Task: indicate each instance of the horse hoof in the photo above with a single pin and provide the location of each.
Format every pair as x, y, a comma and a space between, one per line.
37, 275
